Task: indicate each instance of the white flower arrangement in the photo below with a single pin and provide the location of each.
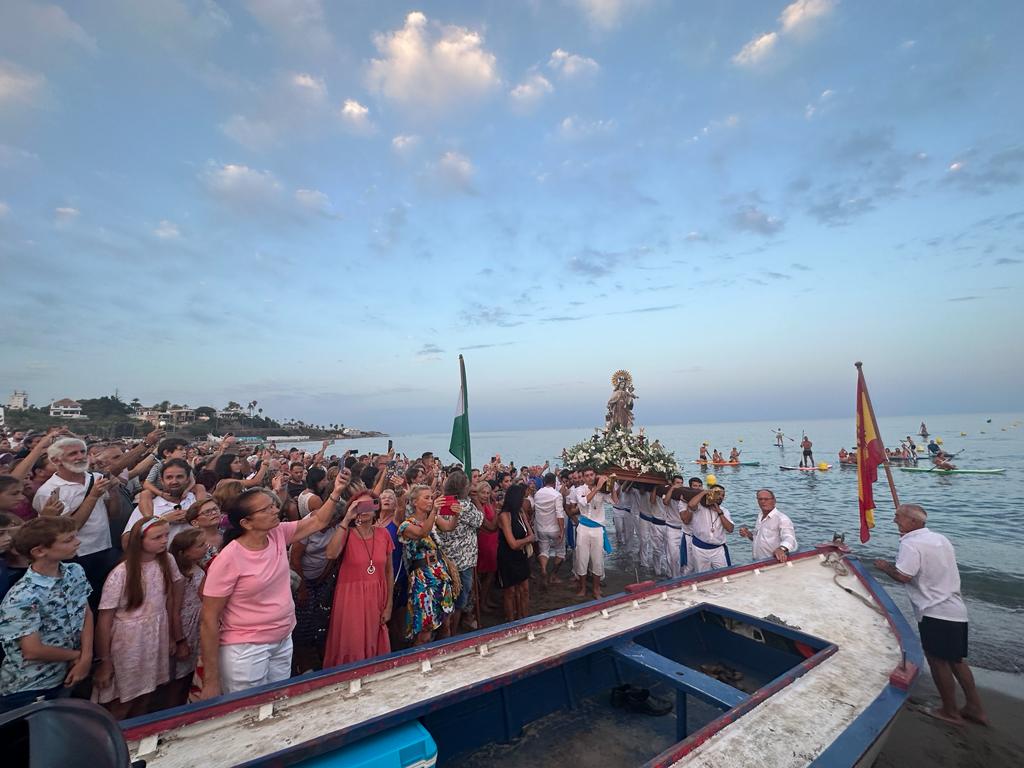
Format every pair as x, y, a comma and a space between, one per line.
618, 447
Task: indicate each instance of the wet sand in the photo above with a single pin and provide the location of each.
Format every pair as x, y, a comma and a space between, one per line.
916, 738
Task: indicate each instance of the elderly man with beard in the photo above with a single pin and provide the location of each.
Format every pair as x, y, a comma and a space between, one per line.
83, 497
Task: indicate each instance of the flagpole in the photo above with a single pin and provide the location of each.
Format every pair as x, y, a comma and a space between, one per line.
465, 408
874, 423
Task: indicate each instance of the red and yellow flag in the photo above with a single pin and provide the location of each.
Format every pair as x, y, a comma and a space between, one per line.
870, 453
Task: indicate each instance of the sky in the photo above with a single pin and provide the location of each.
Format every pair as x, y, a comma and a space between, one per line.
320, 205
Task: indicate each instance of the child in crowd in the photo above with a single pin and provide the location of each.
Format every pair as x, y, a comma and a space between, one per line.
205, 516
13, 564
139, 612
45, 622
188, 550
169, 448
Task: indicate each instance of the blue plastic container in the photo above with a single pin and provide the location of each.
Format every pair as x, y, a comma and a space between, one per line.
406, 746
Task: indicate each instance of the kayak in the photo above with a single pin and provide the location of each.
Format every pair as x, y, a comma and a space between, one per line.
807, 469
935, 471
729, 463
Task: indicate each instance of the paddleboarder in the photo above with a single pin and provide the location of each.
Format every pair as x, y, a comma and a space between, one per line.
926, 566
778, 438
704, 452
734, 455
807, 460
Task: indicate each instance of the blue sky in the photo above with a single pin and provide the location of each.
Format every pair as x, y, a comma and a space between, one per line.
319, 205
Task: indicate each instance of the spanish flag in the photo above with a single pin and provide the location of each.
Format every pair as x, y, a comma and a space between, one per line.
870, 453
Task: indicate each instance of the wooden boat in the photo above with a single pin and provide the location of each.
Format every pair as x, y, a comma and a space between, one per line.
782, 665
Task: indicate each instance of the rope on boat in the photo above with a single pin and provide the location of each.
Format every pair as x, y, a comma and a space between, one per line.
835, 562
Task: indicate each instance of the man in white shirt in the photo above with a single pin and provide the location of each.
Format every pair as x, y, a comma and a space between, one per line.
774, 535
926, 566
549, 525
84, 497
710, 522
591, 535
175, 476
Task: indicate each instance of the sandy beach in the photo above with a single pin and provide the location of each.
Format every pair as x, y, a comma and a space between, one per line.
916, 739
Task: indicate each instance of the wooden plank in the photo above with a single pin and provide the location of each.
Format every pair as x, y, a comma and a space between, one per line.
693, 682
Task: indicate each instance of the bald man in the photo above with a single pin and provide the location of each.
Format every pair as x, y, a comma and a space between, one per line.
926, 566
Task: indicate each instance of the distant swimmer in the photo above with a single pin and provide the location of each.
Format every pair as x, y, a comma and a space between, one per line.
734, 455
778, 438
807, 460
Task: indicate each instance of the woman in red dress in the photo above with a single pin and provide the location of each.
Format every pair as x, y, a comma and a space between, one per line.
362, 599
487, 541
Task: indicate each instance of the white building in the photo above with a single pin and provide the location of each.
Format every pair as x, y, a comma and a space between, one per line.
18, 401
66, 409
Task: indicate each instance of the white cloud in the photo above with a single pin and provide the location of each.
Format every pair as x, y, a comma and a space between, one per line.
754, 51
299, 24
816, 107
356, 117
66, 214
955, 166
529, 93
430, 66
315, 201
240, 183
801, 13
166, 230
796, 18
606, 14
55, 23
19, 85
456, 170
251, 133
570, 65
404, 143
574, 128
308, 87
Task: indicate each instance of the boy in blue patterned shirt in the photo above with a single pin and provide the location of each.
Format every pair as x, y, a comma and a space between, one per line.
46, 627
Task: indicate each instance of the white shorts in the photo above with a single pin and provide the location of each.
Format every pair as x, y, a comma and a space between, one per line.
550, 544
589, 551
247, 665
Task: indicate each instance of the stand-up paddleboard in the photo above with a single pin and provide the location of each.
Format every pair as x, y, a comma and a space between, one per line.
936, 471
729, 463
808, 469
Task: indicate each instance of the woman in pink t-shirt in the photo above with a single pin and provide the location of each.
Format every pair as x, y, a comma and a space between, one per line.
248, 612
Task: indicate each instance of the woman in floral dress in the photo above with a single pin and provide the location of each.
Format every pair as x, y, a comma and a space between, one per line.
430, 586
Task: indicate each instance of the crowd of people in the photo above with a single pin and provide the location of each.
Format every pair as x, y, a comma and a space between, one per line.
151, 575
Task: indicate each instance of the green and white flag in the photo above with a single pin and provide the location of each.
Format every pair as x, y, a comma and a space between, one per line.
459, 447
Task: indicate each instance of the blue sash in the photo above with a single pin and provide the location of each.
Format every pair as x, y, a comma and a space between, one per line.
704, 545
682, 550
584, 520
648, 518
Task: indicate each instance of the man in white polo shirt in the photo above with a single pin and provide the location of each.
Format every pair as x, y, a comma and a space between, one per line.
175, 475
926, 566
84, 497
773, 535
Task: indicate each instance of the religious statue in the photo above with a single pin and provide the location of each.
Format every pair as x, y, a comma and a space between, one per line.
620, 404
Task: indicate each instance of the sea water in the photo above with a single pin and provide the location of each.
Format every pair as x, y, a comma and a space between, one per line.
983, 515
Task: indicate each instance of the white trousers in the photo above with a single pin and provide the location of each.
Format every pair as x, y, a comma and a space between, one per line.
589, 552
247, 665
707, 559
620, 517
644, 534
658, 550
550, 543
688, 568
673, 541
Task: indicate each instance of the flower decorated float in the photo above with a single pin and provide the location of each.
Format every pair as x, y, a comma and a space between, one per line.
616, 449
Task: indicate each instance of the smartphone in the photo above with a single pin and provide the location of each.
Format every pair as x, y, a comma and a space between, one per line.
391, 445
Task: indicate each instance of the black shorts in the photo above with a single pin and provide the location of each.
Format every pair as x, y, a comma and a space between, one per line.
943, 639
